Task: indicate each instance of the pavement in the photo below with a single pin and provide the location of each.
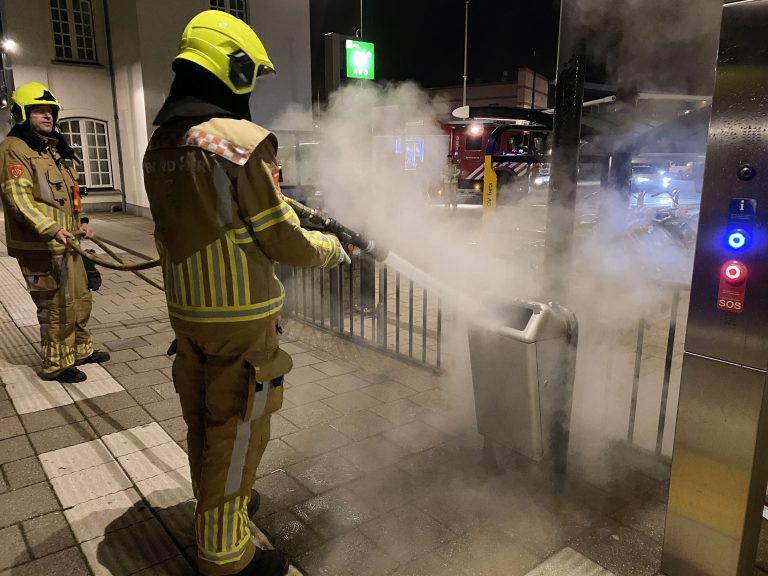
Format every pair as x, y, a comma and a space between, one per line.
374, 468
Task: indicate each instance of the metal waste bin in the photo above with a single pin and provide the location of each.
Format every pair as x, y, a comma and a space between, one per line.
523, 373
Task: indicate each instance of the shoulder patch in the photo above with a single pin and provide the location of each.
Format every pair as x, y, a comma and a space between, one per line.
15, 170
217, 145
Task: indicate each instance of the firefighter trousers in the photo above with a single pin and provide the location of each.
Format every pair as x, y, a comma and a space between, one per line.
59, 288
227, 413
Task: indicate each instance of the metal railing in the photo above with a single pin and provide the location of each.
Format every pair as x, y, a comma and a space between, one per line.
370, 304
667, 322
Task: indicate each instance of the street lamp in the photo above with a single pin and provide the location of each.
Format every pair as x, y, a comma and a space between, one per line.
9, 45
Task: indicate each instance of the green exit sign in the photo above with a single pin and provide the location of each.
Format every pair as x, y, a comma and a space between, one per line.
360, 62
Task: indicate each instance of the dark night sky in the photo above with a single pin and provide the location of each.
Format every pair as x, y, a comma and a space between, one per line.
423, 40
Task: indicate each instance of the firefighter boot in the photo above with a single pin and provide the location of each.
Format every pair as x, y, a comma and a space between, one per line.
267, 563
96, 357
69, 375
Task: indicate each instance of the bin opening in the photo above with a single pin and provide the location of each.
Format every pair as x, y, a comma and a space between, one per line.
515, 316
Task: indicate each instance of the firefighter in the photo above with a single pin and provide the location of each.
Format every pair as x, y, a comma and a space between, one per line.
211, 176
451, 174
42, 211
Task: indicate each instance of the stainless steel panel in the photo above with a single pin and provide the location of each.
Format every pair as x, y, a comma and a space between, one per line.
719, 470
738, 137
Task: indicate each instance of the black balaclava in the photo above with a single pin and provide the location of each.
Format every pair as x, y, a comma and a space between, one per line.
195, 92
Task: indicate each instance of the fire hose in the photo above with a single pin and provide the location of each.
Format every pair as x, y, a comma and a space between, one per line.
345, 235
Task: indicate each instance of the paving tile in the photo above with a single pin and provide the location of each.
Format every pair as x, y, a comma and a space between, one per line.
125, 343
13, 551
288, 533
416, 436
406, 533
69, 562
373, 377
619, 549
372, 453
15, 449
304, 375
153, 461
334, 512
179, 522
52, 418
7, 409
120, 420
3, 393
279, 491
63, 436
147, 364
400, 411
150, 378
74, 458
129, 550
343, 383
646, 515
484, 552
176, 566
431, 565
316, 440
106, 403
24, 472
119, 370
126, 355
361, 424
164, 409
25, 503
152, 350
93, 387
177, 428
310, 414
3, 485
167, 490
135, 439
144, 395
90, 484
568, 561
304, 359
166, 390
48, 534
388, 489
10, 427
111, 512
335, 367
277, 456
279, 426
29, 393
294, 347
349, 555
351, 401
306, 393
388, 391
324, 472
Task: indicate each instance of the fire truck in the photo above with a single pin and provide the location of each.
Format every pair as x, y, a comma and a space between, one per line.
518, 141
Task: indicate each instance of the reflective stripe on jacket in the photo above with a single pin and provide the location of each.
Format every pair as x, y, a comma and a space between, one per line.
37, 196
221, 222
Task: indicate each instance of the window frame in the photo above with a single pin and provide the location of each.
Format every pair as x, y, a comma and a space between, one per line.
230, 7
84, 151
70, 40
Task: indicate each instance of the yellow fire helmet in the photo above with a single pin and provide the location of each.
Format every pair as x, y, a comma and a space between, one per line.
29, 95
227, 47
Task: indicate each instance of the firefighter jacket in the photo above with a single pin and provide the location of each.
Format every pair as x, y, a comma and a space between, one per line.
38, 175
221, 223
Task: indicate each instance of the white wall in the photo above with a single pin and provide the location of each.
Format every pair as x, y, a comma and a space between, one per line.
83, 90
145, 38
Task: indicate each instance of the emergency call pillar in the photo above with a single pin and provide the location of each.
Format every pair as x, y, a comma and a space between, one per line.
720, 458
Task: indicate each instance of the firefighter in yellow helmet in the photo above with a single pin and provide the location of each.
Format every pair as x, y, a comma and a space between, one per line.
42, 211
220, 224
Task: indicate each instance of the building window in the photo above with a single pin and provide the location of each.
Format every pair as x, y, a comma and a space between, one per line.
90, 141
73, 30
238, 8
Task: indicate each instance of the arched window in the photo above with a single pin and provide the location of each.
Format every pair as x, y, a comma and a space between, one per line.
238, 8
73, 35
90, 140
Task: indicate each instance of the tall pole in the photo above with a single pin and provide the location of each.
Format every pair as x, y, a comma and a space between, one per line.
361, 18
466, 31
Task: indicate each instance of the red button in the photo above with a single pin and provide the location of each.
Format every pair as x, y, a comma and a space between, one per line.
734, 272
